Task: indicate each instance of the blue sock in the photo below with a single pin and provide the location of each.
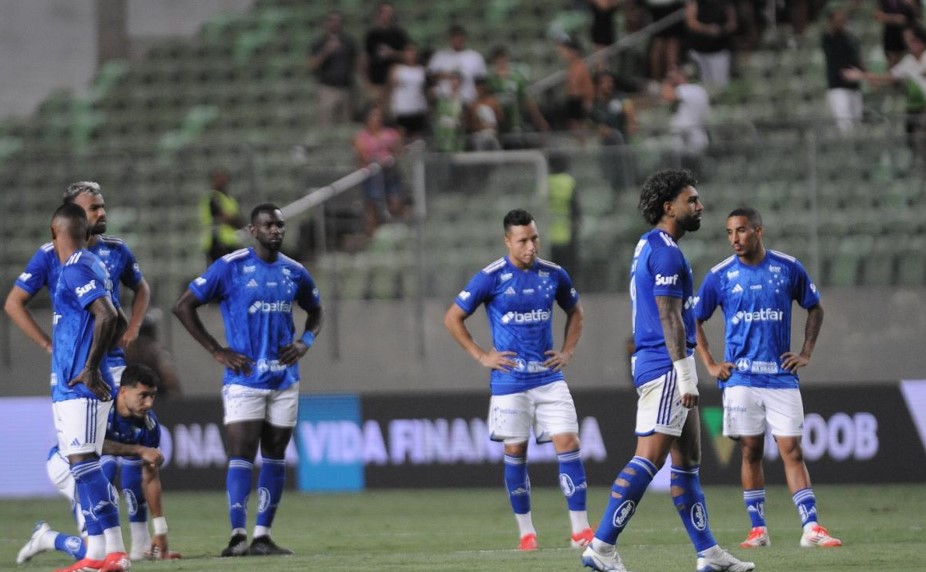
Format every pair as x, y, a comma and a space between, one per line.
689, 502
626, 492
806, 504
109, 464
95, 498
130, 480
72, 545
518, 484
755, 506
572, 479
238, 485
270, 483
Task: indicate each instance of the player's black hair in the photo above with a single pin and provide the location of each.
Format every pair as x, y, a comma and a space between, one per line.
918, 31
75, 189
517, 217
751, 214
262, 208
137, 373
662, 187
77, 223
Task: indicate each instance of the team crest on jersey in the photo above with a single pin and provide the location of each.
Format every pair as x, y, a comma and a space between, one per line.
286, 272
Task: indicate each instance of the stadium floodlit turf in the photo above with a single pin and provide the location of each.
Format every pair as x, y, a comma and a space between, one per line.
472, 530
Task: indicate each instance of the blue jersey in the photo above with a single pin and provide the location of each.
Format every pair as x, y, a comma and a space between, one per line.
519, 304
131, 431
659, 269
83, 279
43, 270
756, 302
256, 299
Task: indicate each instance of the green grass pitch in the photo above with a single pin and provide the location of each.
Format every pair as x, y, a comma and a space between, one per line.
472, 530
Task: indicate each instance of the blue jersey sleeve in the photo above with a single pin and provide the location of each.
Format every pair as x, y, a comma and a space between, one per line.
37, 273
667, 266
210, 285
131, 273
708, 298
307, 295
802, 288
566, 295
152, 435
475, 293
86, 284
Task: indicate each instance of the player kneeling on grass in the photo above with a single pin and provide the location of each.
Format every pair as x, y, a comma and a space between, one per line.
133, 434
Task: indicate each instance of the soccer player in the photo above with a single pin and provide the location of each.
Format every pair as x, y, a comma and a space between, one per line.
43, 270
527, 382
256, 288
86, 326
755, 288
662, 295
133, 433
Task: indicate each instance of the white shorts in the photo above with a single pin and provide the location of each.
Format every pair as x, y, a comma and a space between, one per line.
548, 409
116, 372
81, 425
277, 407
59, 473
659, 407
746, 410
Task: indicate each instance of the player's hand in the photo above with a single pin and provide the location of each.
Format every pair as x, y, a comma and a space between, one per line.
93, 379
690, 400
159, 550
498, 360
721, 371
238, 363
152, 456
791, 361
557, 360
290, 354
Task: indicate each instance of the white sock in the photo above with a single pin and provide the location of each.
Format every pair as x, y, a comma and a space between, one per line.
96, 547
243, 531
809, 526
711, 552
525, 524
579, 520
141, 540
114, 540
261, 531
602, 547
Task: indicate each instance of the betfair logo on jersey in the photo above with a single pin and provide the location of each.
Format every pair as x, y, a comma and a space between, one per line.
763, 315
666, 280
526, 317
712, 419
81, 290
270, 307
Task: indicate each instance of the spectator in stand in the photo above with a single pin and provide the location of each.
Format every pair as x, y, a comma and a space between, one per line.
221, 218
333, 61
407, 93
602, 32
616, 122
449, 126
384, 46
378, 144
510, 88
666, 45
485, 114
895, 15
689, 122
580, 91
457, 58
711, 24
842, 50
563, 205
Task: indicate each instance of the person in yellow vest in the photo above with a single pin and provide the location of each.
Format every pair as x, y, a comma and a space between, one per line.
564, 214
221, 218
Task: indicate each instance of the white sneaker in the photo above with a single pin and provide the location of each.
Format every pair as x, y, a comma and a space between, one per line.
820, 537
602, 562
33, 547
717, 559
